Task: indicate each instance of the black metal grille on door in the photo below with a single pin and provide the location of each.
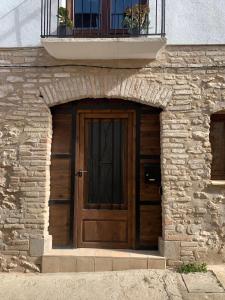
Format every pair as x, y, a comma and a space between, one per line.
105, 159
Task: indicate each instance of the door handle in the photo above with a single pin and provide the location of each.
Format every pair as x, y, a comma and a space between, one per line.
80, 173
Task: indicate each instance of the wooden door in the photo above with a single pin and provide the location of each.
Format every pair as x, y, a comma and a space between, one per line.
105, 181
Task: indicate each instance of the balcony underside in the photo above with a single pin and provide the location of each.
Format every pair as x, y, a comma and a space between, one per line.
104, 48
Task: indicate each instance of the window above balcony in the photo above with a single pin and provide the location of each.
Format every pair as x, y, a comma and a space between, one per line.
110, 18
103, 29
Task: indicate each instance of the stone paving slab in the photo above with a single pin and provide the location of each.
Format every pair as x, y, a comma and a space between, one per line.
124, 285
219, 271
204, 296
202, 283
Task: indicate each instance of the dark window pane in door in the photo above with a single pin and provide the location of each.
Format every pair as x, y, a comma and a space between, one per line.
87, 13
105, 156
118, 8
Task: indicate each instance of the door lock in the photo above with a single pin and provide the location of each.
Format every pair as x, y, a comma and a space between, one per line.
80, 173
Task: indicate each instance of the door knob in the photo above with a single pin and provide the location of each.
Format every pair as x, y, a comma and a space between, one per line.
80, 173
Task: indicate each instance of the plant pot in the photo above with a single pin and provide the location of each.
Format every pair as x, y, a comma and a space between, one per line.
61, 30
143, 31
137, 31
133, 31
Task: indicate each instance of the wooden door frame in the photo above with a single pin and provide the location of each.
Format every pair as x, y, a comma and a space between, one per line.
116, 104
101, 104
131, 182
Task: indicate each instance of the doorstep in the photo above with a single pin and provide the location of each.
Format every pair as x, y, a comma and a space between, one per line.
98, 260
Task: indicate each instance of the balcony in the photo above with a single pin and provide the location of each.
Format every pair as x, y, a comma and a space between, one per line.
103, 29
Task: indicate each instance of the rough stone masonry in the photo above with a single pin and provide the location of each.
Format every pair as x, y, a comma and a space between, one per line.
187, 82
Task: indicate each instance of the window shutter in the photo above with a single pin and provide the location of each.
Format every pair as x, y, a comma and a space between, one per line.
217, 139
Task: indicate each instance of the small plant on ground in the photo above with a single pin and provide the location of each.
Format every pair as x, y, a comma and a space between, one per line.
193, 268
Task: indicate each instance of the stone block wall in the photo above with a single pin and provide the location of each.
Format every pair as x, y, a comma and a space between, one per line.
187, 82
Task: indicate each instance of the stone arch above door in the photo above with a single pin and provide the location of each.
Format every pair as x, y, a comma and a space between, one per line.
106, 86
101, 85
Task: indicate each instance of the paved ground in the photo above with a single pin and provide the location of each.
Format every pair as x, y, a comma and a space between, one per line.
126, 285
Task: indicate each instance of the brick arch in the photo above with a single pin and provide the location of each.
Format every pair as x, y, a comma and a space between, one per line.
109, 86
98, 86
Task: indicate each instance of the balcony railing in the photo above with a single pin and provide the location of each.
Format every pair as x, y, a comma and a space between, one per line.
102, 18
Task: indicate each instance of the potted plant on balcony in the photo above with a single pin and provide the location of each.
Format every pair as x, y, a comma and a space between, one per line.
136, 19
64, 21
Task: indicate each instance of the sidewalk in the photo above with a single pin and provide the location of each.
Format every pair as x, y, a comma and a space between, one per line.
124, 285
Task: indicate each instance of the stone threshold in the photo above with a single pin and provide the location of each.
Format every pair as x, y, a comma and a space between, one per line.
96, 260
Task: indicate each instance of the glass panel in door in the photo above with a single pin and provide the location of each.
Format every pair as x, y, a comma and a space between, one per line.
105, 160
87, 14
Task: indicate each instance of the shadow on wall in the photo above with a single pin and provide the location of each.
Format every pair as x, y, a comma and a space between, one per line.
20, 26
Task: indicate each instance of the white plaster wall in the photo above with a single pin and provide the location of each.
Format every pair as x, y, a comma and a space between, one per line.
19, 23
195, 21
187, 22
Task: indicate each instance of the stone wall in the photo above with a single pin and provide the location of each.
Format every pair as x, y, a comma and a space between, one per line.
187, 82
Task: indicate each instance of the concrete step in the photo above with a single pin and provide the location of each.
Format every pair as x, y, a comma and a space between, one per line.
97, 260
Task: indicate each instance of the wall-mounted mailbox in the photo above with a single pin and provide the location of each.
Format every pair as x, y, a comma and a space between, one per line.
152, 173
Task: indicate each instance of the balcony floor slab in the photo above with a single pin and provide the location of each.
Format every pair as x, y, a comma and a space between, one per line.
103, 48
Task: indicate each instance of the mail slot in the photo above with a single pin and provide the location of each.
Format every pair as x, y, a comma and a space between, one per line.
152, 173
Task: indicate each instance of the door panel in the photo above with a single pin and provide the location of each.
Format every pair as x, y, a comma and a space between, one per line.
150, 224
61, 176
149, 191
150, 134
60, 217
62, 130
105, 231
105, 193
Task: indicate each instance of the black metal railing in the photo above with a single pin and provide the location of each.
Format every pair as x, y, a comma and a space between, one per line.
102, 18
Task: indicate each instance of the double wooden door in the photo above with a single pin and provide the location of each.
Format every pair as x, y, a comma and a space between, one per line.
105, 175
105, 179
